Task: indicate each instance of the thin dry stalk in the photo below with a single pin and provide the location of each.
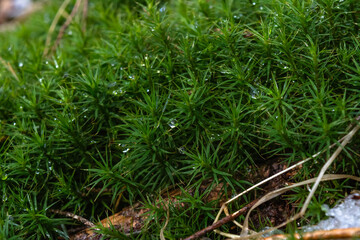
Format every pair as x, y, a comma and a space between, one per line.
84, 15
343, 142
221, 222
271, 195
66, 25
258, 202
319, 178
162, 237
74, 216
327, 165
9, 67
56, 19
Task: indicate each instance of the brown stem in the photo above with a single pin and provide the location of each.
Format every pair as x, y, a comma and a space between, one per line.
73, 216
84, 15
66, 25
221, 222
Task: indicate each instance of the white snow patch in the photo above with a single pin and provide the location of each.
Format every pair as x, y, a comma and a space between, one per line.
343, 215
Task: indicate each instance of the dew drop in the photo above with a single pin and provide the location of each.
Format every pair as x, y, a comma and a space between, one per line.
254, 93
14, 123
181, 150
50, 166
132, 77
158, 71
173, 123
21, 64
126, 150
254, 3
237, 16
117, 92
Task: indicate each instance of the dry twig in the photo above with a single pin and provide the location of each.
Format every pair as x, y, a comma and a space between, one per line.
321, 177
84, 15
221, 222
322, 234
66, 25
56, 19
9, 67
74, 216
162, 237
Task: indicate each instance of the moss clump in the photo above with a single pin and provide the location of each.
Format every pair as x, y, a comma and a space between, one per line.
154, 94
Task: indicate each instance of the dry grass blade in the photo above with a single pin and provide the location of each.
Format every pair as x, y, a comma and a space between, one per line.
221, 222
9, 67
162, 237
73, 216
280, 191
84, 15
327, 165
344, 141
66, 25
59, 13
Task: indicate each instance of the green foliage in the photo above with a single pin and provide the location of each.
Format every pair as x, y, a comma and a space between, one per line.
160, 93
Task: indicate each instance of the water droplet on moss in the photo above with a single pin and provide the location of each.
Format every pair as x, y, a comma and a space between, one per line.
181, 150
173, 123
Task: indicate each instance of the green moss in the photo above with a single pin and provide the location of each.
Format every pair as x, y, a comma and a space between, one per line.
154, 94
